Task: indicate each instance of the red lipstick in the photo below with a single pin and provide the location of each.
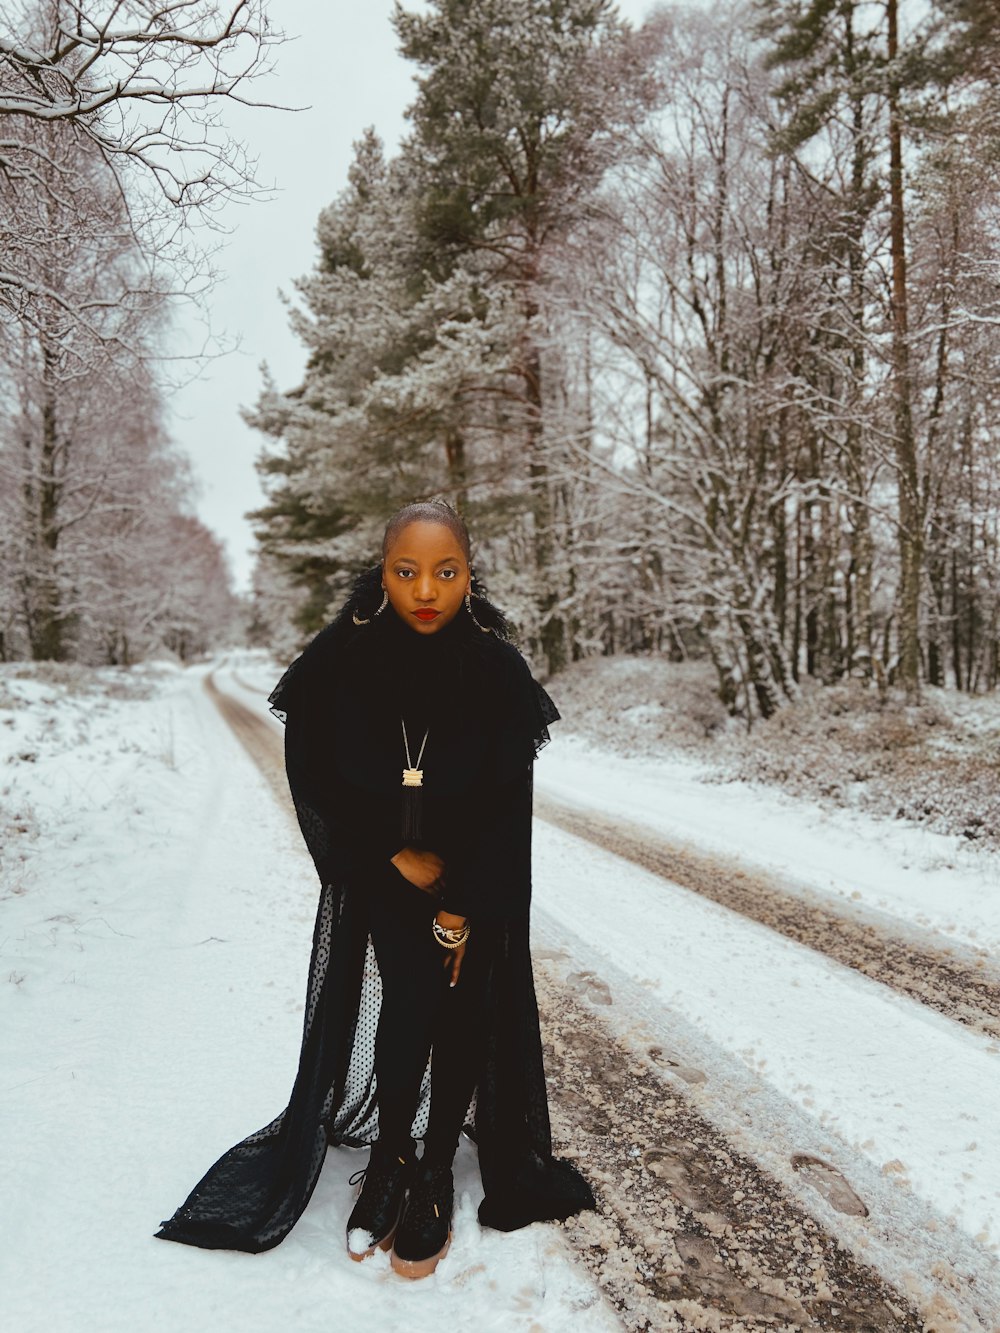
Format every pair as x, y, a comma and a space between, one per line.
427, 614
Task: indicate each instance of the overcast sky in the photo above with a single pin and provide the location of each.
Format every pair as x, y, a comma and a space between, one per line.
344, 65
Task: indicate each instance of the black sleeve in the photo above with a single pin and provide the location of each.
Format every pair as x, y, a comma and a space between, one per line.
349, 831
488, 873
371, 828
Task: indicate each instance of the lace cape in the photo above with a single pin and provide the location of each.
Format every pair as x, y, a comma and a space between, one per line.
253, 1195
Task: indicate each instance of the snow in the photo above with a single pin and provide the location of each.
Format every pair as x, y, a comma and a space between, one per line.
922, 878
359, 1240
899, 1084
156, 934
157, 909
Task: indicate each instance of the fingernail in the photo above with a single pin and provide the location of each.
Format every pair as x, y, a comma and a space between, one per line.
451, 983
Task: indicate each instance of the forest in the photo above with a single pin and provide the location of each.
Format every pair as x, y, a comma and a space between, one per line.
110, 150
696, 322
697, 325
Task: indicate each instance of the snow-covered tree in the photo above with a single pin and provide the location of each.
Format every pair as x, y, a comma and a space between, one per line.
405, 392
85, 466
519, 112
633, 301
138, 83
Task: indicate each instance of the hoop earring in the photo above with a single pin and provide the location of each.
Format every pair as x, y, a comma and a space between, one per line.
487, 629
385, 603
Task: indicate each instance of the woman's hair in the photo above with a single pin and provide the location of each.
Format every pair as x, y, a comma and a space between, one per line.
366, 594
427, 511
359, 618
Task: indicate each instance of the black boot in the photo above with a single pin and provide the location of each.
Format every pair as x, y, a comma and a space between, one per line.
424, 1232
372, 1223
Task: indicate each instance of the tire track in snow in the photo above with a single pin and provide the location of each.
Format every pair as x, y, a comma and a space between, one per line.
264, 745
690, 1234
953, 981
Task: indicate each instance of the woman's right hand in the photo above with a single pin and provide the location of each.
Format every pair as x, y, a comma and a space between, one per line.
422, 868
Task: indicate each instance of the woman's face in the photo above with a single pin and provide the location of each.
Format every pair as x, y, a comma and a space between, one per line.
425, 571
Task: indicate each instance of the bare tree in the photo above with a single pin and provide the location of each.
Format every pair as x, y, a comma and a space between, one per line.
694, 294
111, 144
140, 82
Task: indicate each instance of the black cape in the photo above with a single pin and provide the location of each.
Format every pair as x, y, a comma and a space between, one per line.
341, 701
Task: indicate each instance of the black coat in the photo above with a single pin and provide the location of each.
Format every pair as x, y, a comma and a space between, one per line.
487, 717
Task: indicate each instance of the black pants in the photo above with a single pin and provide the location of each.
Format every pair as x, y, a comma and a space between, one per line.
422, 1014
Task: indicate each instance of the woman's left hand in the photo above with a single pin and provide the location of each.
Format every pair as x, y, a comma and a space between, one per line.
454, 957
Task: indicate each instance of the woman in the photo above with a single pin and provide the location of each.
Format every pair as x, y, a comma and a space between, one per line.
411, 728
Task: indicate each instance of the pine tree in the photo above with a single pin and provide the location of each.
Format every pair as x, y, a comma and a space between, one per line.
405, 368
515, 121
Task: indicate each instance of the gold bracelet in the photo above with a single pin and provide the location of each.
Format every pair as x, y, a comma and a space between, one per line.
455, 937
451, 931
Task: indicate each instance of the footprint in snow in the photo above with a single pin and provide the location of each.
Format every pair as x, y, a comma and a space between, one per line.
590, 986
829, 1182
668, 1167
676, 1065
706, 1275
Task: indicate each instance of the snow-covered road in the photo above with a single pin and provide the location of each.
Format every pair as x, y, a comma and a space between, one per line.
808, 1057
956, 980
156, 936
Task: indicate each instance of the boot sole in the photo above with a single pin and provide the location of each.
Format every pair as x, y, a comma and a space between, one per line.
385, 1244
414, 1268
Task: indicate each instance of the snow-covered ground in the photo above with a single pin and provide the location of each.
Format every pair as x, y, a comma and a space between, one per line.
155, 919
933, 880
156, 914
899, 1097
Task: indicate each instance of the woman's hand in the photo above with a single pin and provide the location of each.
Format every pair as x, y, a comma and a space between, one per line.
453, 957
422, 868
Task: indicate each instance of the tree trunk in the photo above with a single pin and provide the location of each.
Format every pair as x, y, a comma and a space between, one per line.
956, 624
910, 517
454, 447
551, 628
47, 624
860, 632
797, 603
779, 526
812, 595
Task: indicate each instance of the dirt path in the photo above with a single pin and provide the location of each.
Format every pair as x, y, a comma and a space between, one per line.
690, 1234
956, 982
263, 744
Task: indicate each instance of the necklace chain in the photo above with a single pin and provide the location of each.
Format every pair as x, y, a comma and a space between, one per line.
406, 743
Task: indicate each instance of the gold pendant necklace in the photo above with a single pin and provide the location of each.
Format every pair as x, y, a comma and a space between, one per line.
413, 774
